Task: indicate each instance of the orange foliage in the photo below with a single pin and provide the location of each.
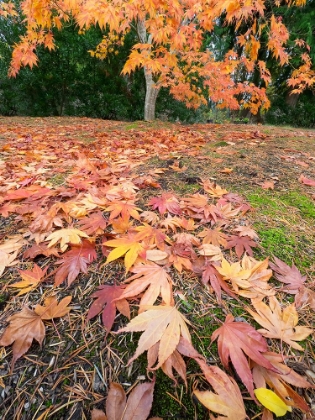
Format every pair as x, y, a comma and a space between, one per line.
171, 44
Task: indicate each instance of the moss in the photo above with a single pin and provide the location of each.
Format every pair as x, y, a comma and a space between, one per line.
276, 241
57, 179
303, 203
270, 202
221, 144
279, 225
181, 406
132, 126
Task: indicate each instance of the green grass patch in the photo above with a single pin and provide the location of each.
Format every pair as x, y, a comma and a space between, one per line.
278, 219
302, 202
58, 179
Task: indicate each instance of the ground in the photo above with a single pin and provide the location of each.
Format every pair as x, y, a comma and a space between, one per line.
70, 373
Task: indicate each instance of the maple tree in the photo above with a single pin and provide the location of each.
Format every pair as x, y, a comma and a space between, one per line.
171, 45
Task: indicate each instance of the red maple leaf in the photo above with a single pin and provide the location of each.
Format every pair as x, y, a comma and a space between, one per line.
212, 277
166, 202
235, 339
75, 262
94, 224
291, 276
241, 244
107, 303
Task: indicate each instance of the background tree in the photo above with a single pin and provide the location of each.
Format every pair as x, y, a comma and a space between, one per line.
170, 44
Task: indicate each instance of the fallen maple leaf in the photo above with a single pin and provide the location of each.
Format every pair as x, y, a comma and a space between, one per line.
153, 278
118, 407
30, 279
126, 209
241, 244
128, 246
149, 217
279, 380
164, 324
213, 236
181, 255
108, 299
152, 236
271, 401
279, 324
171, 223
211, 251
75, 261
14, 243
227, 399
24, 327
268, 185
196, 205
173, 362
97, 414
301, 163
305, 297
188, 224
155, 255
235, 273
237, 339
45, 222
246, 231
226, 170
211, 276
307, 181
291, 276
95, 224
258, 279
166, 202
33, 190
120, 225
7, 260
53, 309
212, 188
65, 236
40, 249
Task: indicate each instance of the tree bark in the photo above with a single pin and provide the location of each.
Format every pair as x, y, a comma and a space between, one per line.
292, 99
152, 88
151, 94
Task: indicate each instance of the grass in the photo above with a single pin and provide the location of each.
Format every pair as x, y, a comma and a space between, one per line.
284, 223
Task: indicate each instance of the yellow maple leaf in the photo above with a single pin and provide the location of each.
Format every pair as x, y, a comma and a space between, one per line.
128, 246
65, 236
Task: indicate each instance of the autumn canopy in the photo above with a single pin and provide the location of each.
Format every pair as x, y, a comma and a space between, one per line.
174, 45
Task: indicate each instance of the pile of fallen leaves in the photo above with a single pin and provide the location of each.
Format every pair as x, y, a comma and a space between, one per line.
98, 215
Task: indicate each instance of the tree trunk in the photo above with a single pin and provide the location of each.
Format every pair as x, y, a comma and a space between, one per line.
151, 94
292, 99
152, 88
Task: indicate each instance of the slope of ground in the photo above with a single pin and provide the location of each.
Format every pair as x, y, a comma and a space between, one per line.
59, 173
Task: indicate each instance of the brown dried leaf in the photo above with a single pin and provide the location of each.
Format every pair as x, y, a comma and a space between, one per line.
278, 323
24, 327
53, 309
